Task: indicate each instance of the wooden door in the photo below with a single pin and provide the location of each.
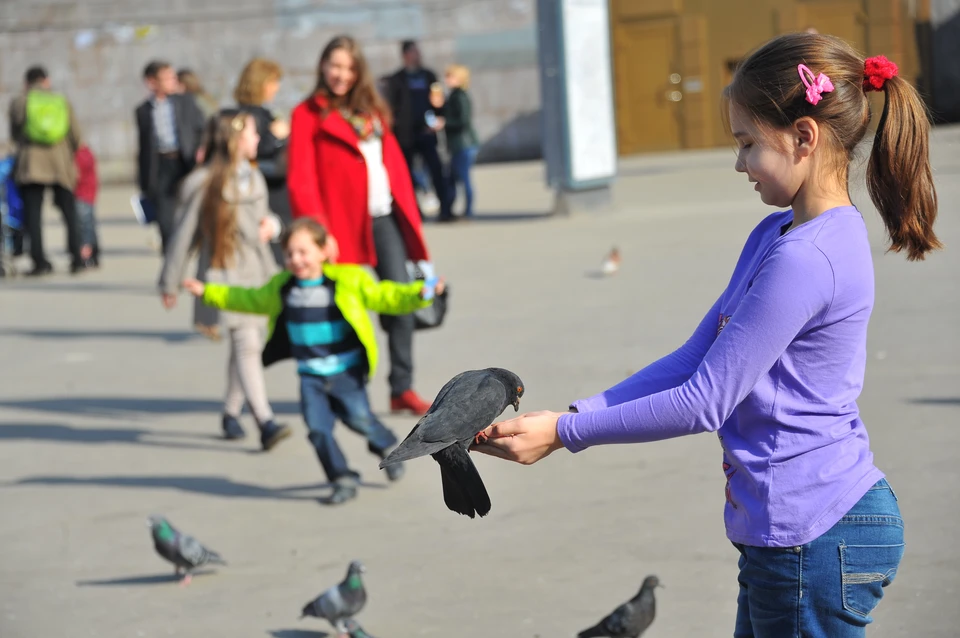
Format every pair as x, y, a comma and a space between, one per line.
844, 19
648, 92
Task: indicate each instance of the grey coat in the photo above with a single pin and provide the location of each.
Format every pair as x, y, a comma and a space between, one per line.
253, 263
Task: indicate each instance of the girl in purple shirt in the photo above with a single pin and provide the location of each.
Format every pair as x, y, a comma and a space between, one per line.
777, 363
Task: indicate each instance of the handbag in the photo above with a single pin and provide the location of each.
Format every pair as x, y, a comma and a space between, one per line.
433, 315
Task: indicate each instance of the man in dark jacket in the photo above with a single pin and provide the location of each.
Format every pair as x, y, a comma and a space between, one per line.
170, 127
417, 117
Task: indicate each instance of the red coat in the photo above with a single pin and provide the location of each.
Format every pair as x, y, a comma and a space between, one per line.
86, 188
327, 180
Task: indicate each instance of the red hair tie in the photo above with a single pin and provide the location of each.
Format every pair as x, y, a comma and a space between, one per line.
876, 71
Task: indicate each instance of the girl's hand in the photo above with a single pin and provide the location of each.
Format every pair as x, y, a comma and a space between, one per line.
280, 129
525, 439
194, 287
168, 301
269, 229
441, 286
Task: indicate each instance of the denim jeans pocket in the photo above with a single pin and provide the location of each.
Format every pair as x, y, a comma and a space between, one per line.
865, 571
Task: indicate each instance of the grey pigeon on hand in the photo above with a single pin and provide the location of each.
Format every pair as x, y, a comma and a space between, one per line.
185, 552
466, 405
630, 619
341, 602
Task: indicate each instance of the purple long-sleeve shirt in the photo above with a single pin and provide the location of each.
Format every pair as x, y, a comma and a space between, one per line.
775, 368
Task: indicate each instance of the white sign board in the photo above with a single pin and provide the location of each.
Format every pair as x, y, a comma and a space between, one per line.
591, 129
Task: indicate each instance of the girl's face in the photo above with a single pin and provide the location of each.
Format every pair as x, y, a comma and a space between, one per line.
768, 159
249, 139
451, 80
270, 88
304, 257
339, 72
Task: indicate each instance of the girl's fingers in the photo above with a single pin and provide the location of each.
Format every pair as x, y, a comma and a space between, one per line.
492, 449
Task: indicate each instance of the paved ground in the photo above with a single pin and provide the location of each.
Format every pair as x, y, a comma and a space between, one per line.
109, 411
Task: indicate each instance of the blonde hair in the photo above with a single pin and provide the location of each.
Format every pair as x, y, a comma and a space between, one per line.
460, 72
218, 217
254, 76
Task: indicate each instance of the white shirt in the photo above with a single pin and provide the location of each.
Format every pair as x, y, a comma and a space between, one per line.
379, 197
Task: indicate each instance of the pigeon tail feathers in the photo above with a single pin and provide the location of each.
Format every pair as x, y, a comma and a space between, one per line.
463, 489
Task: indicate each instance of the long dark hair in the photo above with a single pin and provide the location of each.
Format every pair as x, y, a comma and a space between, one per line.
363, 97
218, 217
899, 177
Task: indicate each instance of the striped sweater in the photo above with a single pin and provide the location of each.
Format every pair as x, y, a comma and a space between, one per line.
321, 340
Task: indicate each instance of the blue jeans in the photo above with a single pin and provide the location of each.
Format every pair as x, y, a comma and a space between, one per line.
460, 164
828, 587
87, 221
325, 399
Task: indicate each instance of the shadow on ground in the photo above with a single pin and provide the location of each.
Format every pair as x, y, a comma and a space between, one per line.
130, 407
935, 401
167, 336
130, 581
297, 633
220, 486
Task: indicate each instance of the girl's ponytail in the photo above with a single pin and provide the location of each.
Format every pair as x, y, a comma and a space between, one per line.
899, 177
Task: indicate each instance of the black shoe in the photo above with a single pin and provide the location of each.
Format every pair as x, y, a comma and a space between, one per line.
395, 472
343, 491
271, 434
40, 270
78, 267
232, 431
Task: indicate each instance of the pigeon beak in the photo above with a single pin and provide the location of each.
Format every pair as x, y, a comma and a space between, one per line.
516, 404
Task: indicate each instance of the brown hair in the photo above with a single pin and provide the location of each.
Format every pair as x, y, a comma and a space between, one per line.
258, 72
363, 97
312, 226
218, 217
899, 178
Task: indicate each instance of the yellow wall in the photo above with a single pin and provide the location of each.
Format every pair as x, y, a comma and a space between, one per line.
711, 35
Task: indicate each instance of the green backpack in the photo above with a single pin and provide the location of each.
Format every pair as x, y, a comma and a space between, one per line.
47, 117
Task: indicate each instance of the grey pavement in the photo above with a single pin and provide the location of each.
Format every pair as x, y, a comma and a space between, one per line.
109, 412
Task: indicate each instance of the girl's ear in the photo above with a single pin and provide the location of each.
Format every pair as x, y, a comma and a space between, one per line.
806, 136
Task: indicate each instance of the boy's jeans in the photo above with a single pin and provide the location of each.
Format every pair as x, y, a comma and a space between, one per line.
325, 399
86, 220
828, 587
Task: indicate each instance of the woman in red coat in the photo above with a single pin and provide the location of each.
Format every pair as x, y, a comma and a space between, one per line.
346, 171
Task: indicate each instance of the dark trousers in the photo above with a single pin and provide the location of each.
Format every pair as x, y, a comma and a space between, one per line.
163, 196
392, 266
32, 195
325, 399
425, 145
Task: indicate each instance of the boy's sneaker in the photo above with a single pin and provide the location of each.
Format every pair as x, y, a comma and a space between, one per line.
343, 491
232, 430
271, 434
395, 472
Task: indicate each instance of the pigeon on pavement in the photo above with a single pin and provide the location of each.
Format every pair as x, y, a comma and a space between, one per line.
465, 406
341, 602
185, 552
630, 619
611, 263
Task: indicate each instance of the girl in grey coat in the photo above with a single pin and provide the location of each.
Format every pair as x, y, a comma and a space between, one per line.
224, 217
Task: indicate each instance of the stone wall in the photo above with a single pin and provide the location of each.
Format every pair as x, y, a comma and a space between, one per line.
95, 51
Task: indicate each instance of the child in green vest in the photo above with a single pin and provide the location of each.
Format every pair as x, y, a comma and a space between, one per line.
318, 314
